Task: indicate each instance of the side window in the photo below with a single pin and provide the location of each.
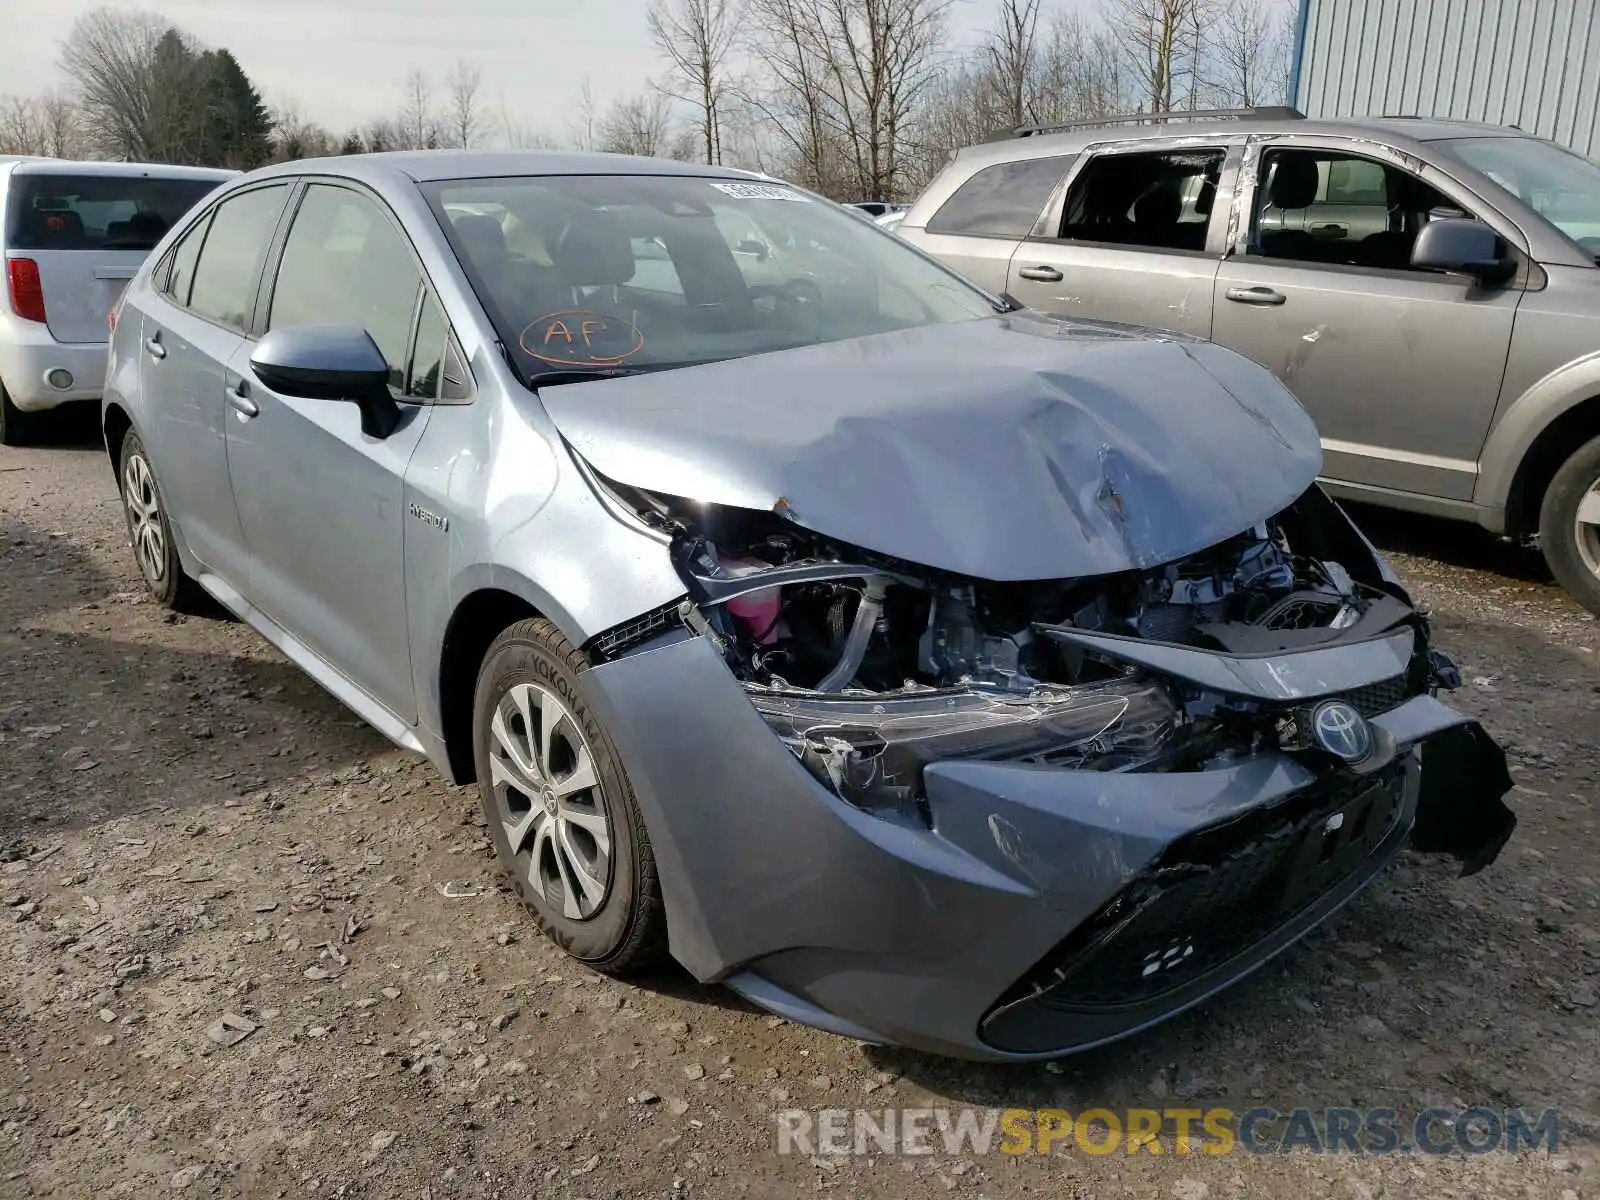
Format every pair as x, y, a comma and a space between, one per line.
180, 268
224, 283
427, 356
1159, 201
345, 262
1321, 206
1003, 200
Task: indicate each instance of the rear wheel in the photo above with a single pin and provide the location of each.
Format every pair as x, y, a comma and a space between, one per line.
149, 531
560, 806
14, 423
1569, 525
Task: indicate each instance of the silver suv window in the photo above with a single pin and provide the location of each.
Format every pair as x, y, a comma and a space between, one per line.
1323, 206
1562, 187
1003, 200
1152, 201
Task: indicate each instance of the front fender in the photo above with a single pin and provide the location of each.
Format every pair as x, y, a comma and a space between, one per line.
1521, 422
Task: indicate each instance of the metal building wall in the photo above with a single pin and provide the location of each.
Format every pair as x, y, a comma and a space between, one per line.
1530, 63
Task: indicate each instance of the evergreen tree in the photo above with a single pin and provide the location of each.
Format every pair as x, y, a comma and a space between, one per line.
238, 126
352, 144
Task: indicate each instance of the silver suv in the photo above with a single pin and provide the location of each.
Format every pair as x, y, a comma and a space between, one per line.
72, 234
1429, 290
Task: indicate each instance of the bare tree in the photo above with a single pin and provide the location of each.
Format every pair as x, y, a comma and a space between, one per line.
294, 137
583, 122
1250, 53
465, 117
141, 84
415, 124
523, 137
21, 128
639, 124
1156, 37
697, 36
852, 77
1011, 55
60, 125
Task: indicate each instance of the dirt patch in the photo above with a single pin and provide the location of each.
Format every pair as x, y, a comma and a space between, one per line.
253, 950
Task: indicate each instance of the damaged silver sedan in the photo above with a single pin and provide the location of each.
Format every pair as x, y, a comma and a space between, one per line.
924, 669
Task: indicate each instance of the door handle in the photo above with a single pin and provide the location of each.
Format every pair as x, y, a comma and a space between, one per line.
1255, 295
239, 400
154, 346
1041, 274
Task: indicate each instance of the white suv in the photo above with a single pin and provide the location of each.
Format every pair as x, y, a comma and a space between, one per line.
72, 235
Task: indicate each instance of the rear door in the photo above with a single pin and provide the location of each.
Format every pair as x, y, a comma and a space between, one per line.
976, 229
201, 303
1136, 238
88, 233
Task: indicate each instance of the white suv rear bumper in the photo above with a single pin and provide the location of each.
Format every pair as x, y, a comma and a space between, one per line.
28, 354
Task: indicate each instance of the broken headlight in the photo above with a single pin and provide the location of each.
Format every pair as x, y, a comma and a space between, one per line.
870, 749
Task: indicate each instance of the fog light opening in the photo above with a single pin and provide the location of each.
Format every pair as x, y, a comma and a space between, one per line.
60, 378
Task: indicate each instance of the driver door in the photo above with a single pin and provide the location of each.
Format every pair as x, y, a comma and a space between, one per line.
1399, 367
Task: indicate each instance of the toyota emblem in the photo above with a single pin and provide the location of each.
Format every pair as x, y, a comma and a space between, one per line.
1341, 731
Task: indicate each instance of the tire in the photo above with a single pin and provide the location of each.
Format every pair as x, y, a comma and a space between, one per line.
1572, 547
15, 425
581, 862
150, 532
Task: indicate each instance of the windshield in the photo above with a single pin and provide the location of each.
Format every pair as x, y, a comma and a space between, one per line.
629, 272
1562, 187
97, 212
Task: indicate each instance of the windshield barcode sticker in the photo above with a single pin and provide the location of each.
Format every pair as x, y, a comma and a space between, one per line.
759, 191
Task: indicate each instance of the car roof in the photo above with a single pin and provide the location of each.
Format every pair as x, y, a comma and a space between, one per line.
67, 166
427, 166
1395, 130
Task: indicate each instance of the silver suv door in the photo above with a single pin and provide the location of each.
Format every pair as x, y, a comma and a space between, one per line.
322, 503
196, 311
1400, 368
1135, 236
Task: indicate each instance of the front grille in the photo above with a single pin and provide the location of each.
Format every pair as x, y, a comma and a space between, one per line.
1377, 698
619, 638
1212, 897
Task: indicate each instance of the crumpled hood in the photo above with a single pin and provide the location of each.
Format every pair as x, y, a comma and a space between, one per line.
1005, 449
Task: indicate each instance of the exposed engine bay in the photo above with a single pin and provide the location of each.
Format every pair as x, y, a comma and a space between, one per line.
869, 668
794, 610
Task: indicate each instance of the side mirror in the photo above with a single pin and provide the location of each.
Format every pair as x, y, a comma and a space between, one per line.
330, 362
751, 246
1464, 247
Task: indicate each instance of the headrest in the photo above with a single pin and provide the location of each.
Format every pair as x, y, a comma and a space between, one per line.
57, 227
1163, 205
1294, 181
148, 225
594, 251
483, 237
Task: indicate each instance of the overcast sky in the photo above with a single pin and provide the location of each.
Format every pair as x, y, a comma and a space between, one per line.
343, 61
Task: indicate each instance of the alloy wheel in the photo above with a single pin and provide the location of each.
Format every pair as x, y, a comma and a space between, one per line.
144, 518
1588, 528
549, 800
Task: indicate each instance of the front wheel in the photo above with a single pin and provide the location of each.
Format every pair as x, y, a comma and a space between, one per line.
560, 806
1569, 525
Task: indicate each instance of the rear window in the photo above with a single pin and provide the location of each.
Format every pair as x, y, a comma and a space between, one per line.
97, 212
1003, 200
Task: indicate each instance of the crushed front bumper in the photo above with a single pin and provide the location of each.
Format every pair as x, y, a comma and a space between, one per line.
1041, 911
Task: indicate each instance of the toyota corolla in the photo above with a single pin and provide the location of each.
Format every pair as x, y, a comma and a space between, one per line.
922, 668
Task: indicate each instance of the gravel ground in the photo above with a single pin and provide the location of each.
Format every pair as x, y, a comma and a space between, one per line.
191, 828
